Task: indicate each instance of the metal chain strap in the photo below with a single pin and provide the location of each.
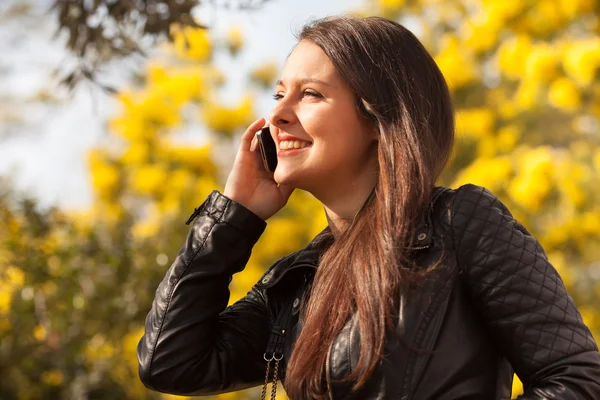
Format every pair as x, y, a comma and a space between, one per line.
264, 389
274, 389
263, 396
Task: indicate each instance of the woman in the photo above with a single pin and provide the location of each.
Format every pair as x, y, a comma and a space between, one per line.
412, 291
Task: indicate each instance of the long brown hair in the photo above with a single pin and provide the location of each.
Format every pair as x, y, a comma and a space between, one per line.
400, 89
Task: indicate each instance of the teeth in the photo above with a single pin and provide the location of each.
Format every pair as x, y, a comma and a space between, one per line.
289, 144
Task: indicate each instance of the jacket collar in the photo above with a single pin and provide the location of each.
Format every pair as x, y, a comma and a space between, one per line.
308, 257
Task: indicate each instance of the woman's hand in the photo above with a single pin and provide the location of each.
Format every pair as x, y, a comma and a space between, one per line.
249, 183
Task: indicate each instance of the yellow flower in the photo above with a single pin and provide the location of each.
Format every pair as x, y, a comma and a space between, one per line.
390, 8
137, 153
507, 137
235, 40
597, 161
541, 63
456, 62
195, 158
105, 176
512, 55
149, 179
501, 10
529, 191
590, 223
481, 32
179, 180
157, 74
492, 173
487, 147
564, 94
265, 74
544, 17
5, 300
533, 183
53, 377
574, 8
193, 43
227, 120
145, 229
527, 94
581, 59
40, 333
475, 122
14, 277
537, 161
559, 262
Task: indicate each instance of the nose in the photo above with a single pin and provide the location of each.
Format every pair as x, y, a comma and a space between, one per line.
283, 114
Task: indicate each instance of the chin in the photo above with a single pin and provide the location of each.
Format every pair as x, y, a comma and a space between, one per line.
284, 176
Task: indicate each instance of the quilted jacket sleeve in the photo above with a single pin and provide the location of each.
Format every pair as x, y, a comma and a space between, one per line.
523, 300
193, 343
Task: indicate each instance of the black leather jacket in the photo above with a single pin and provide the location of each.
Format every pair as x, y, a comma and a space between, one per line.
494, 306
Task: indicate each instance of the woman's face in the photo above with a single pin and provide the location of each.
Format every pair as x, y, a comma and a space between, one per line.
317, 109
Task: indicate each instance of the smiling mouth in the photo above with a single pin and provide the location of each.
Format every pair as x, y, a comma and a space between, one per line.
293, 145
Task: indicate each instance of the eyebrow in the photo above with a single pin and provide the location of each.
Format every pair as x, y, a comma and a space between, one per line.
306, 80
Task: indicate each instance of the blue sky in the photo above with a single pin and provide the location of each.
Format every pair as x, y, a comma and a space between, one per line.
43, 144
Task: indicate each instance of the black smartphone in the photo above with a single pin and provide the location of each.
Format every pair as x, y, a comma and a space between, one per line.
268, 150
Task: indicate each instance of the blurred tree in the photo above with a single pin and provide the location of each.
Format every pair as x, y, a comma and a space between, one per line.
74, 289
101, 30
77, 291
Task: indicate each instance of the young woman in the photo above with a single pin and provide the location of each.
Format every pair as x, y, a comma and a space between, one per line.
412, 291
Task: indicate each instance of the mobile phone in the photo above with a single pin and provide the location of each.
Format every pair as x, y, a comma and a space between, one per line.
268, 150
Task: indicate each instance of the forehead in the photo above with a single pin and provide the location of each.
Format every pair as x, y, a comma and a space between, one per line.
309, 61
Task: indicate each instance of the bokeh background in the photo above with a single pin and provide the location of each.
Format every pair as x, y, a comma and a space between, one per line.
96, 186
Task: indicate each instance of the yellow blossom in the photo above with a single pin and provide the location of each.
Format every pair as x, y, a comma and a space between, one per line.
390, 8
475, 122
456, 62
265, 74
573, 8
137, 153
53, 377
149, 179
193, 43
597, 161
105, 176
235, 40
512, 55
527, 94
227, 120
492, 173
537, 161
156, 73
481, 32
541, 63
507, 137
529, 191
486, 147
40, 333
564, 94
145, 229
581, 59
544, 17
195, 158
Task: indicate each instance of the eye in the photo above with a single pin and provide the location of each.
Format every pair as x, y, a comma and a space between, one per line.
312, 93
277, 96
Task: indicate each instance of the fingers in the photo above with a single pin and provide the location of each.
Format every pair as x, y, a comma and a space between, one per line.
248, 136
254, 143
